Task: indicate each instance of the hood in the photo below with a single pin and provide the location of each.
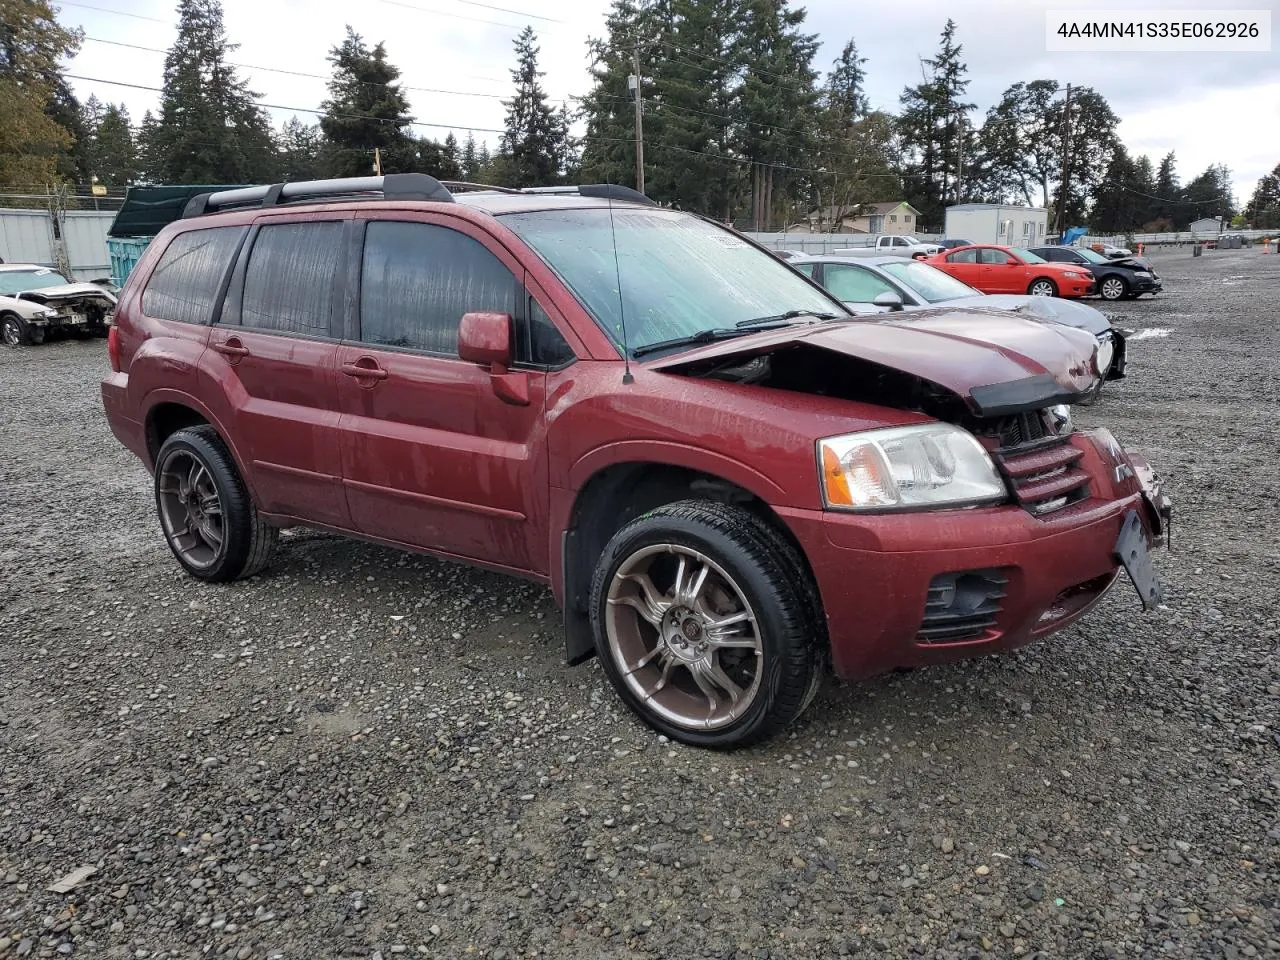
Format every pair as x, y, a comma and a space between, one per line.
1131, 263
1053, 309
996, 362
69, 291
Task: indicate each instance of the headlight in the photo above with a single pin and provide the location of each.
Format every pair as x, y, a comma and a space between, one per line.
1144, 274
1106, 352
931, 465
1060, 417
1073, 275
42, 314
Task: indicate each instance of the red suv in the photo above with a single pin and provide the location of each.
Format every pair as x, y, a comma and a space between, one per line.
729, 482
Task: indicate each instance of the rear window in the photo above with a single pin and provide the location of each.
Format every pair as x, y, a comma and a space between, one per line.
288, 285
184, 285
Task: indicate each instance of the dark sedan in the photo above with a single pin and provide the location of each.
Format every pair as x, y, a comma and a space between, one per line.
1116, 279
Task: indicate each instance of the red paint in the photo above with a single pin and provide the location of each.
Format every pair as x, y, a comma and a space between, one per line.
468, 458
1014, 276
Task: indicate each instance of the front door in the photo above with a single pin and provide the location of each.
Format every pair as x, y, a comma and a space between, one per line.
431, 456
274, 350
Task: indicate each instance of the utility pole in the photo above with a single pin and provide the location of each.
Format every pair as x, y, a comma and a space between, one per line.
634, 83
1061, 218
377, 161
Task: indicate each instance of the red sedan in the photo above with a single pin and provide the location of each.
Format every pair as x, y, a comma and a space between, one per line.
995, 269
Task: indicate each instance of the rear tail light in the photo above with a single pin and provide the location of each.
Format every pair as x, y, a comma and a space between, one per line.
113, 347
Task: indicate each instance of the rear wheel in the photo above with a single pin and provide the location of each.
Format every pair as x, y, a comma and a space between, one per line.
1042, 288
205, 511
703, 625
1113, 288
13, 330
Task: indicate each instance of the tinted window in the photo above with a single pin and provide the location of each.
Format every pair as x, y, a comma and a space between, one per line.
546, 345
288, 285
805, 268
855, 284
964, 256
994, 256
419, 279
186, 281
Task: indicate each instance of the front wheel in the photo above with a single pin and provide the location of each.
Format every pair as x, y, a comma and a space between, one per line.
704, 624
1114, 288
12, 330
1042, 288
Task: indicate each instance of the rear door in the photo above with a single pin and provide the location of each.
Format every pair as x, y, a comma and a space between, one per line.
274, 349
431, 456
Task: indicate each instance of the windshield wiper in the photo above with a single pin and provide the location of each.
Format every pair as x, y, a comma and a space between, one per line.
702, 336
782, 318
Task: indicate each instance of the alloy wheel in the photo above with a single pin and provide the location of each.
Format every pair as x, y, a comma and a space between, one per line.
684, 637
1112, 288
12, 332
190, 509
1042, 288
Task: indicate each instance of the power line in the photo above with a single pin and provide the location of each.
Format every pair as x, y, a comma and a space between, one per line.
299, 73
456, 16
311, 110
518, 13
119, 13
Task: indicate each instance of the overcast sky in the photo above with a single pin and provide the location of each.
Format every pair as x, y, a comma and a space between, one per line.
1207, 107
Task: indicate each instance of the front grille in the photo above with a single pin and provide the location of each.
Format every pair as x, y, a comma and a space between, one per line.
962, 606
1045, 475
1019, 429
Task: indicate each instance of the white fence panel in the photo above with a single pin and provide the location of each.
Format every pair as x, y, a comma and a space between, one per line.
26, 237
85, 233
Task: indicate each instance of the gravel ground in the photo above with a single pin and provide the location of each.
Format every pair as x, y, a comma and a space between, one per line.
365, 753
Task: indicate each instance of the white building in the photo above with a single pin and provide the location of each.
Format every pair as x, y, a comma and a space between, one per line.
1207, 227
1003, 223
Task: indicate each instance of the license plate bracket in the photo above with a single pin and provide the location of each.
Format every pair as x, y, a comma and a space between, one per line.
1135, 556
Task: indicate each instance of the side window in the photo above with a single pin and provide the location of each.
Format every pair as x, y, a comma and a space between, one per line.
417, 281
900, 242
964, 256
288, 283
185, 283
854, 284
547, 347
995, 256
805, 268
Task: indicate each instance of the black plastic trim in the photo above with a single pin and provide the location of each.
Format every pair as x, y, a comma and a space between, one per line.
1028, 393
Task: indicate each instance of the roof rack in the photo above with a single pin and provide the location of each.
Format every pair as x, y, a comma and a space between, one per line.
602, 191
392, 186
466, 185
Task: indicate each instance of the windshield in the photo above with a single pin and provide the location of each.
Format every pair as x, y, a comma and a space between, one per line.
1092, 256
1026, 256
929, 282
680, 275
16, 281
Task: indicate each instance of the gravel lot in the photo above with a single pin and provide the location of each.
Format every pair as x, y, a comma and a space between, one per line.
366, 753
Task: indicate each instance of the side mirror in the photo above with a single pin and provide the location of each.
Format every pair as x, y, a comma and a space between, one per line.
888, 300
485, 338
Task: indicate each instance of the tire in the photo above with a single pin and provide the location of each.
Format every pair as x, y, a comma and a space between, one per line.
14, 330
243, 543
659, 653
1113, 288
1042, 287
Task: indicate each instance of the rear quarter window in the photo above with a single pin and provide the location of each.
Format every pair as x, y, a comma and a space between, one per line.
186, 283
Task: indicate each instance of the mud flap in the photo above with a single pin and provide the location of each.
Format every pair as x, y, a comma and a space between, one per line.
1135, 556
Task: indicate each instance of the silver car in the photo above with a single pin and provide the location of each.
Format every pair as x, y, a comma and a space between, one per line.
35, 300
885, 284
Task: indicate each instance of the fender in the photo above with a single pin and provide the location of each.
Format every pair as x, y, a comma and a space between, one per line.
169, 395
658, 452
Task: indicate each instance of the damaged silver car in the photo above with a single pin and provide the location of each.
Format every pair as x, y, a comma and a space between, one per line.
36, 300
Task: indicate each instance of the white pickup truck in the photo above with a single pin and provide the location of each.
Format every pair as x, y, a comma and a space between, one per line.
894, 245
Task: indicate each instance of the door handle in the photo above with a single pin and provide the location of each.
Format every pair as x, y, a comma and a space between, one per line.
232, 347
364, 369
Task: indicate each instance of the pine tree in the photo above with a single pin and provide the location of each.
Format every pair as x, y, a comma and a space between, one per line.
300, 146
1208, 195
776, 102
452, 157
38, 115
366, 110
933, 129
115, 153
209, 130
534, 144
1169, 190
845, 92
1263, 209
469, 160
